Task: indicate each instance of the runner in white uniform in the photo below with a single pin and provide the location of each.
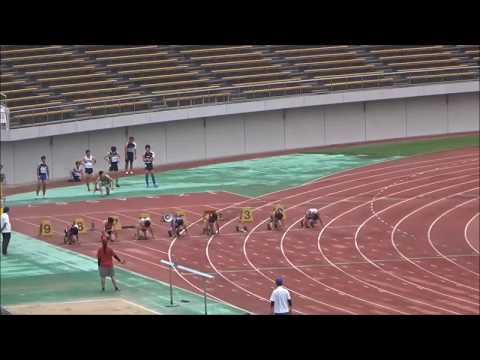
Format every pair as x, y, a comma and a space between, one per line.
88, 162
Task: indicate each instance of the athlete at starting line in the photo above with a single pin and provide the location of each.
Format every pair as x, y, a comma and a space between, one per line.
71, 234
104, 182
144, 225
177, 224
311, 217
109, 229
276, 219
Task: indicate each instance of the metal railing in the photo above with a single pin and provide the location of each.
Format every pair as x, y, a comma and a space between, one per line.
167, 100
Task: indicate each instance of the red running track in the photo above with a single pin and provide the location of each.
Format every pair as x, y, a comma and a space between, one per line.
400, 237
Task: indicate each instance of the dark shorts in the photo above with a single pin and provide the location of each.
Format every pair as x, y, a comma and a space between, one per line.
129, 157
179, 223
109, 232
148, 166
43, 177
113, 167
278, 216
74, 231
89, 171
106, 271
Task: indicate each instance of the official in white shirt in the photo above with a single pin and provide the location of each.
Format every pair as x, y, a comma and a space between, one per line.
280, 300
6, 230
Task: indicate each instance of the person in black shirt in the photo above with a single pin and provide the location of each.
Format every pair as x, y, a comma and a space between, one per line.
130, 154
148, 158
43, 173
113, 157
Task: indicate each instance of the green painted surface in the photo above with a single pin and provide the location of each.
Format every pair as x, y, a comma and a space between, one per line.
37, 272
248, 177
406, 148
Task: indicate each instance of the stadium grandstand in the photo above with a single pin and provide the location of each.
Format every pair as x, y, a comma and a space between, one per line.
42, 84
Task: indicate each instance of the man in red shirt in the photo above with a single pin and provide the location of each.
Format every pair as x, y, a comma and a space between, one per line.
105, 257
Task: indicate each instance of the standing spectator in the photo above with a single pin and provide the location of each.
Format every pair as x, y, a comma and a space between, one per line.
43, 174
88, 162
130, 154
148, 158
113, 158
105, 257
6, 228
280, 300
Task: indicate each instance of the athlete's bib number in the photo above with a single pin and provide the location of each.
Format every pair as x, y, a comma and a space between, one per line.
46, 228
81, 225
116, 223
246, 215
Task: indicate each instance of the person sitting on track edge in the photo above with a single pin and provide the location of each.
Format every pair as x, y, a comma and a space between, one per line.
276, 219
71, 234
109, 229
103, 182
311, 218
177, 225
144, 225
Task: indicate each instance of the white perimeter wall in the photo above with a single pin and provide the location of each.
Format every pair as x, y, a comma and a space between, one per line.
215, 137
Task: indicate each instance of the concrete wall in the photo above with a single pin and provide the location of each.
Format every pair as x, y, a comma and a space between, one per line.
427, 115
385, 119
225, 136
254, 132
305, 127
264, 131
344, 123
463, 112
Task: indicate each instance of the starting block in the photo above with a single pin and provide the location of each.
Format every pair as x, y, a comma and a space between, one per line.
117, 226
82, 229
243, 229
181, 213
46, 228
246, 215
143, 216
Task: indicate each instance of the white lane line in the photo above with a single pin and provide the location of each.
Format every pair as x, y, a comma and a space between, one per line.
346, 173
264, 221
392, 240
429, 233
236, 194
131, 241
379, 261
356, 278
465, 232
315, 280
141, 307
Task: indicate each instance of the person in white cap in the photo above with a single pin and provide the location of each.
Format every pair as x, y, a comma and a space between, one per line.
280, 300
